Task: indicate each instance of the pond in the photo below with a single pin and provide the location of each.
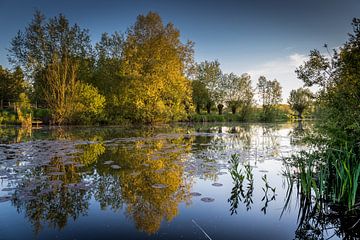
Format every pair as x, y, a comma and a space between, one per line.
175, 181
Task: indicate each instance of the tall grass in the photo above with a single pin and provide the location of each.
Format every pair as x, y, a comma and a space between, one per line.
331, 174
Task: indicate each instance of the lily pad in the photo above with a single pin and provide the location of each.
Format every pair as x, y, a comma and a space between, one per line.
207, 199
7, 189
4, 199
116, 167
159, 186
217, 184
195, 194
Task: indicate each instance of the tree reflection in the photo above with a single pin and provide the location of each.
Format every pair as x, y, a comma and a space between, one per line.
56, 192
143, 165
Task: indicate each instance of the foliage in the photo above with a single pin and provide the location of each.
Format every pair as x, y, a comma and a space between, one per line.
210, 75
43, 39
270, 94
331, 173
338, 77
299, 100
88, 105
60, 91
154, 63
200, 95
23, 109
239, 93
11, 85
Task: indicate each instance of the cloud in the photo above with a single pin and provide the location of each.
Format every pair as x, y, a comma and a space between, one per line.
283, 69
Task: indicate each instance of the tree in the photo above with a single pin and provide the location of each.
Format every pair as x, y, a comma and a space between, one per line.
60, 92
200, 95
270, 94
154, 86
239, 93
88, 104
12, 84
210, 74
338, 76
69, 100
299, 100
35, 48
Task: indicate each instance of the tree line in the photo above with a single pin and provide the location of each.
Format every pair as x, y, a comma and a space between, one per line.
146, 75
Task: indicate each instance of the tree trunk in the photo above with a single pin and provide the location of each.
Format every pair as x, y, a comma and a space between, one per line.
233, 109
220, 108
300, 115
197, 109
208, 108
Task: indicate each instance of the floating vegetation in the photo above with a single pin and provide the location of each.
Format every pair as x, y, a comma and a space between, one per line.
159, 186
217, 184
207, 199
5, 198
195, 194
116, 167
108, 162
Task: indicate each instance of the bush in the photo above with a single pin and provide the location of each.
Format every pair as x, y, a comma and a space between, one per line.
89, 105
42, 114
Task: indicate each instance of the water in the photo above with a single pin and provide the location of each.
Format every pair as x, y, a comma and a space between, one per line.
163, 182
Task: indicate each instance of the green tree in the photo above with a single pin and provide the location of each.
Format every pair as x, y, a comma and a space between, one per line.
154, 86
200, 95
11, 85
270, 94
210, 74
239, 93
35, 48
60, 93
299, 100
338, 76
88, 106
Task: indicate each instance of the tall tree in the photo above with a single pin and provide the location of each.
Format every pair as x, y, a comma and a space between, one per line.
210, 74
299, 100
11, 85
338, 76
35, 48
200, 95
155, 87
270, 94
239, 93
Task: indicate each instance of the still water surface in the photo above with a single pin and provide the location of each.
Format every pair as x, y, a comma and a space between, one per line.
163, 182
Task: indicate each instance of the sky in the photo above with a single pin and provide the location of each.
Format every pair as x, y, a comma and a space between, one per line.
259, 37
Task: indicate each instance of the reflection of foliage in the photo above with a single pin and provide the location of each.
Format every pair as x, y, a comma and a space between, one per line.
143, 165
237, 193
266, 197
52, 194
298, 135
91, 153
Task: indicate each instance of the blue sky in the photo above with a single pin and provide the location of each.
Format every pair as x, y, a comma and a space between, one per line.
261, 37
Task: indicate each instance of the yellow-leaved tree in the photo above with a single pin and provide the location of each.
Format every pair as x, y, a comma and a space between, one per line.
155, 64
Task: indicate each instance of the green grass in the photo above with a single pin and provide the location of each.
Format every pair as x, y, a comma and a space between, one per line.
332, 174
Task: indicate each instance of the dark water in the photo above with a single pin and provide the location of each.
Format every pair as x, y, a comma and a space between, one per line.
145, 183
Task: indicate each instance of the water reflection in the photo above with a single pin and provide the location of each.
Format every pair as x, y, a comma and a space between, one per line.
54, 176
